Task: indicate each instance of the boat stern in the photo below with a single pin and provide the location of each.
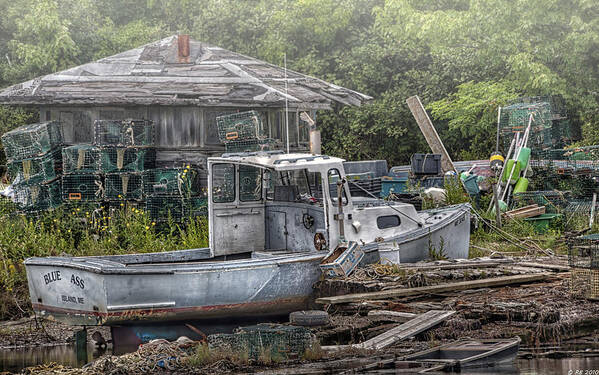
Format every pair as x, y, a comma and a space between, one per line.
61, 292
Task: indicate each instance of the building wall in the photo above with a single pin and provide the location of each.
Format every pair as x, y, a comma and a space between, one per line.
178, 128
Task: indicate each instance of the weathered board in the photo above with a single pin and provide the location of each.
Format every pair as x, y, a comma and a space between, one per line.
450, 287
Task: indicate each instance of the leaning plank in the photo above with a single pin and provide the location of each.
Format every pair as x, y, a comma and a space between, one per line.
457, 265
451, 287
406, 330
392, 316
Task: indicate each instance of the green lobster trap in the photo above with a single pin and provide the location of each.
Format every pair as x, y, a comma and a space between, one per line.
37, 198
196, 206
119, 159
44, 168
82, 187
123, 186
584, 283
253, 145
31, 140
240, 126
81, 159
123, 133
171, 181
163, 208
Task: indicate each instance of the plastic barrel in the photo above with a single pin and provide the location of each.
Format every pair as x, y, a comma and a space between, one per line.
521, 185
507, 171
524, 157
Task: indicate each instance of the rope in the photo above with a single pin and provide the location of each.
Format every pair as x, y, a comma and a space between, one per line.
129, 133
100, 191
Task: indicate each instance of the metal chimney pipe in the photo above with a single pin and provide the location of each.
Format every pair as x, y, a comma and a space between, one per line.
183, 48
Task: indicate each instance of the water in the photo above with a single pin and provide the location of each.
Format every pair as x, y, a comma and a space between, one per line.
17, 359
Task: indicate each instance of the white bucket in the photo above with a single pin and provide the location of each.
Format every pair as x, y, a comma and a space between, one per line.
389, 254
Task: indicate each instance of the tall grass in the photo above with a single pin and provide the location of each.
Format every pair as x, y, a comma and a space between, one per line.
78, 231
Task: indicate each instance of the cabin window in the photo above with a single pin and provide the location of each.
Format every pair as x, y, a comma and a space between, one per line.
250, 183
293, 186
335, 176
223, 183
389, 221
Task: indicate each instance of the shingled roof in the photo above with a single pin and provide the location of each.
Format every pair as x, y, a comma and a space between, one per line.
179, 71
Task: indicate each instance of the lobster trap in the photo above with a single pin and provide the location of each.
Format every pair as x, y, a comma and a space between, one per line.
553, 200
82, 187
123, 133
163, 208
584, 283
44, 168
240, 126
171, 181
583, 251
251, 145
37, 198
123, 186
119, 159
279, 341
81, 159
32, 140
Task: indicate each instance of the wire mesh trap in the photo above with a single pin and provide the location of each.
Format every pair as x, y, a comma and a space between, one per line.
274, 340
123, 133
251, 145
82, 187
163, 208
37, 198
123, 186
171, 181
120, 159
81, 159
240, 126
35, 170
583, 251
584, 283
31, 140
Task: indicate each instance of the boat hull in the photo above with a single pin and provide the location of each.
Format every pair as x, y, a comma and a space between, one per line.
170, 293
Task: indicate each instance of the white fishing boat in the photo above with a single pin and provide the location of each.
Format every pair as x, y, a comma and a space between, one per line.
272, 219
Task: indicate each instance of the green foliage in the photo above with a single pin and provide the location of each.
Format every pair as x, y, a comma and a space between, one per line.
81, 231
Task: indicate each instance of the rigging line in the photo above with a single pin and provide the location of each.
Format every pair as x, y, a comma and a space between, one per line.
286, 102
387, 203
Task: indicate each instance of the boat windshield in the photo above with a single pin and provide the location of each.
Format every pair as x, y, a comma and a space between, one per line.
298, 185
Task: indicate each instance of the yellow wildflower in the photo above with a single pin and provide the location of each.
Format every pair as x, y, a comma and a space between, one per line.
147, 227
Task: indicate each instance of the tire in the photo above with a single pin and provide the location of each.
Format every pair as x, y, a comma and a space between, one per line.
309, 318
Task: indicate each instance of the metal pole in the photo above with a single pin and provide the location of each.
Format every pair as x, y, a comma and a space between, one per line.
286, 103
498, 120
592, 218
497, 209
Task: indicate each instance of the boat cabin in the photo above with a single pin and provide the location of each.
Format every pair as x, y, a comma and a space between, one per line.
288, 203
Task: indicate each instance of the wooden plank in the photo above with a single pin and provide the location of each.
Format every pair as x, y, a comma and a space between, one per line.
429, 132
403, 331
450, 287
457, 265
406, 330
524, 212
552, 267
393, 316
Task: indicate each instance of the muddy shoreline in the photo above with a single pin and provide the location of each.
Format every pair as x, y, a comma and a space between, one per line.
543, 314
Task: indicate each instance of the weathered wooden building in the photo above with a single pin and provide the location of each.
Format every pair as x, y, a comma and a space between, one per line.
182, 85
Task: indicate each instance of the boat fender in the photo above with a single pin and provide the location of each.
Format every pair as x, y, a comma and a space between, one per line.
356, 225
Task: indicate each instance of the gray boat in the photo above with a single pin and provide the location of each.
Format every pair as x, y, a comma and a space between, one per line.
272, 219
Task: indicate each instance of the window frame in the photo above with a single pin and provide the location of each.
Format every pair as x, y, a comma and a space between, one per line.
387, 226
261, 172
234, 183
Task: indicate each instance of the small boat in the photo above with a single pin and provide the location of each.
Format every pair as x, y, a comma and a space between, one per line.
467, 353
272, 219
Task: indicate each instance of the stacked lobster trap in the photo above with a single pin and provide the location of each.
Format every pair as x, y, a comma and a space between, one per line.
583, 258
35, 165
244, 132
117, 170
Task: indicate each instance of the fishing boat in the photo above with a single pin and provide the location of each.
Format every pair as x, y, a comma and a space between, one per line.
467, 353
273, 217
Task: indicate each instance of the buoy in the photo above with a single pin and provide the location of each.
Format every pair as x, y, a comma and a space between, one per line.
496, 161
521, 185
524, 157
502, 207
507, 171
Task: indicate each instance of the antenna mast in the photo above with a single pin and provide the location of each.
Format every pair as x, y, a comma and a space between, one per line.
286, 102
